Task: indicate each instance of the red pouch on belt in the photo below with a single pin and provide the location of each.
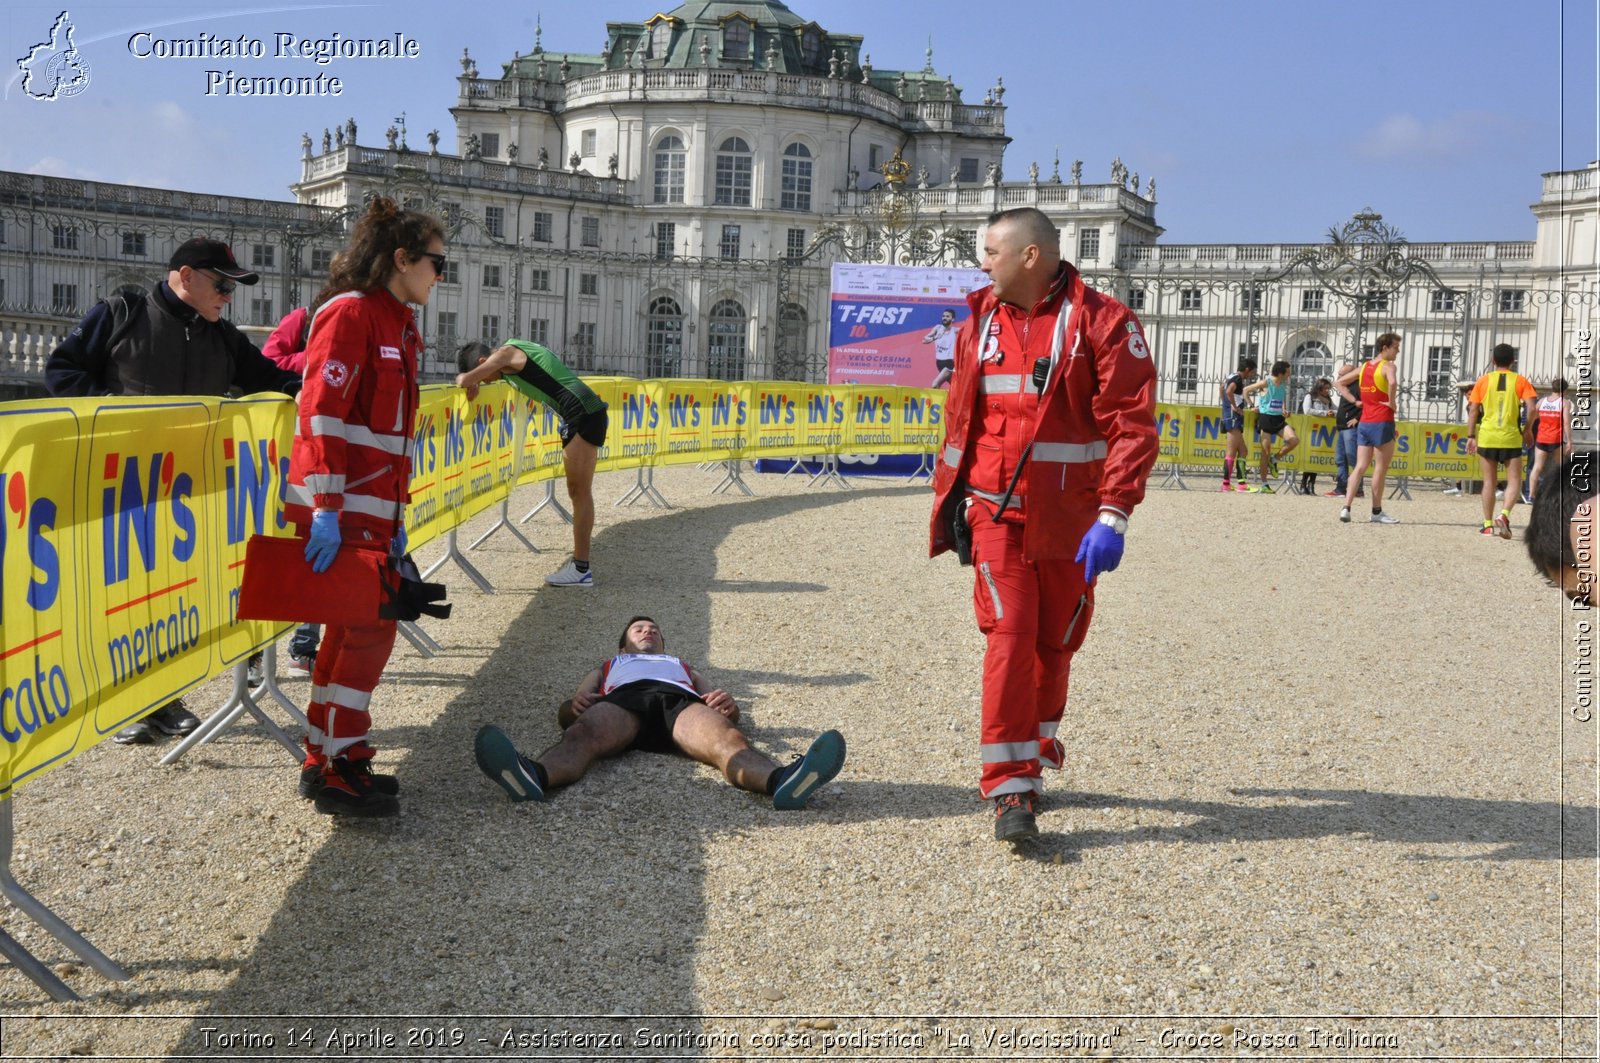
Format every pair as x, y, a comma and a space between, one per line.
278, 584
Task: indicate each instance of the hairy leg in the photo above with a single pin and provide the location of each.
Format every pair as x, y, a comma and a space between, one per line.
711, 738
602, 730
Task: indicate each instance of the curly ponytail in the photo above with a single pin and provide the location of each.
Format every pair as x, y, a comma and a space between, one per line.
367, 263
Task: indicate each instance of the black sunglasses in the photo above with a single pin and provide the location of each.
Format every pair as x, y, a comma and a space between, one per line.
221, 284
438, 261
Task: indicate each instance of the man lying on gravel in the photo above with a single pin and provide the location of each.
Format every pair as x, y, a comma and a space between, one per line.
643, 698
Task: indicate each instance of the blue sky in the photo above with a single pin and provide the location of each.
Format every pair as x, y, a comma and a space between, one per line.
1262, 120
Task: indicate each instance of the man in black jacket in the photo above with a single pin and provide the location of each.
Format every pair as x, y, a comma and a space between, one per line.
170, 340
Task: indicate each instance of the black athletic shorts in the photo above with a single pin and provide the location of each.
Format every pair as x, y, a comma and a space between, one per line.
591, 427
1500, 454
657, 706
1550, 448
944, 363
1269, 424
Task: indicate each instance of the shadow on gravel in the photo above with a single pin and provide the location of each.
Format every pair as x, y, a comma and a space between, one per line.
468, 910
1517, 830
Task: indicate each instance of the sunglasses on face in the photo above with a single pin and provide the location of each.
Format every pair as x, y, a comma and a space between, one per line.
438, 261
221, 284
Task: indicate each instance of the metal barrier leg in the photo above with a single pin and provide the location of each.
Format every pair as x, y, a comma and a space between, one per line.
1174, 477
12, 890
924, 467
549, 499
644, 486
1401, 489
243, 700
415, 636
504, 522
452, 552
733, 477
829, 473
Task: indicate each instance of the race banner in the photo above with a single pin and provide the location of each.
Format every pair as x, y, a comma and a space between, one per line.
1174, 431
1203, 442
824, 413
153, 604
686, 436
922, 420
891, 324
491, 442
251, 463
1443, 451
729, 434
45, 690
428, 450
778, 431
539, 455
614, 392
1318, 449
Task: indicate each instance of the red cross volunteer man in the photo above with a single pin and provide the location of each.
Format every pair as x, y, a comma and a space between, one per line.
1049, 435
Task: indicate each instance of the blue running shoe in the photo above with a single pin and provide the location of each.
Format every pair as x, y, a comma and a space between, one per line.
510, 770
799, 780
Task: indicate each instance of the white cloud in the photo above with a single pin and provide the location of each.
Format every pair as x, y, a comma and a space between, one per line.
1451, 137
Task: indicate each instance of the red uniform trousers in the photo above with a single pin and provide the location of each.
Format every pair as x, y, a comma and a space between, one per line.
350, 662
1035, 615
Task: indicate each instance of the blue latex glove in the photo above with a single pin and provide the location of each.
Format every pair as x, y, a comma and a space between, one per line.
397, 545
1100, 551
324, 541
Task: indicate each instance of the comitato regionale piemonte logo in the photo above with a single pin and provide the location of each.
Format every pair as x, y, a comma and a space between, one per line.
54, 69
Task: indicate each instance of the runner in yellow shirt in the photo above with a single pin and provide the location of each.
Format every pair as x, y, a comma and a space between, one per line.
1500, 420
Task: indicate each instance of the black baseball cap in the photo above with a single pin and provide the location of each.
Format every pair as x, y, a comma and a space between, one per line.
202, 253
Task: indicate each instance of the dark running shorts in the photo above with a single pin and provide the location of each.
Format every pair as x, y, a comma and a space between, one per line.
591, 427
1374, 433
944, 363
1269, 424
657, 706
1550, 448
1232, 421
1500, 454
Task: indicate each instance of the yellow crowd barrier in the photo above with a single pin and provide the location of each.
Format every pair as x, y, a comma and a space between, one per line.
1192, 437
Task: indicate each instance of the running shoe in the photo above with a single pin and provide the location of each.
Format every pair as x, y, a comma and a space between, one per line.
508, 769
799, 780
569, 576
1502, 526
1384, 518
1487, 529
1344, 514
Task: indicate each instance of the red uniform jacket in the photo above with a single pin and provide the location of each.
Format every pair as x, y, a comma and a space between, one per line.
1094, 431
352, 447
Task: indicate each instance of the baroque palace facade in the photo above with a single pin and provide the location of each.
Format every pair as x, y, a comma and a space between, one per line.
672, 205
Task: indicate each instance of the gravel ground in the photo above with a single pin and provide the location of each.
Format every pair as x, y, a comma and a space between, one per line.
1323, 798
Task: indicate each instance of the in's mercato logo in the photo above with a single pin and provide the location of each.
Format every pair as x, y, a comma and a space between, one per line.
55, 69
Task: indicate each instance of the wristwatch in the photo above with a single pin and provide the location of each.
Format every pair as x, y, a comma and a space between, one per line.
1115, 522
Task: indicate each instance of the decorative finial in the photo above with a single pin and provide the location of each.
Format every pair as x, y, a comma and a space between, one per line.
538, 34
772, 53
466, 61
866, 69
927, 67
999, 90
705, 52
1055, 170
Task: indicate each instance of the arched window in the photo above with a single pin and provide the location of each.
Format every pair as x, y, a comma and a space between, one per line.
736, 39
663, 337
734, 169
810, 46
1310, 360
727, 346
790, 359
796, 178
670, 164
660, 39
